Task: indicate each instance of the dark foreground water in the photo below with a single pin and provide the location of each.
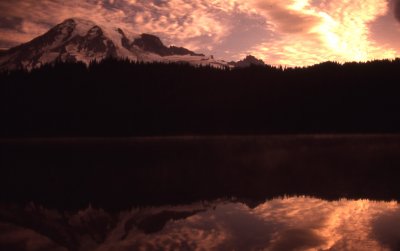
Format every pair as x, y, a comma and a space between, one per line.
226, 184
119, 173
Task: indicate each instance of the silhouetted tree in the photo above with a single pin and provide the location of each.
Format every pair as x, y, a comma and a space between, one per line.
123, 98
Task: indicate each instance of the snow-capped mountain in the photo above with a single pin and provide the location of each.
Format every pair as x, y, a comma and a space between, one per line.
79, 40
35, 228
247, 62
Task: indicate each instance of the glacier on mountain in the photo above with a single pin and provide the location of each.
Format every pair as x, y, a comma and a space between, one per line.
80, 40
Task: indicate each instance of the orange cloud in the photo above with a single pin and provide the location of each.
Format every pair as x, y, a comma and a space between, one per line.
182, 20
333, 30
294, 223
282, 32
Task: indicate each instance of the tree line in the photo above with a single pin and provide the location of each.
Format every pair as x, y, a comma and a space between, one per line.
123, 98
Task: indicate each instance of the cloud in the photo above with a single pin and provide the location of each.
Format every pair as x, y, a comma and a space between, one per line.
285, 32
315, 31
10, 23
42, 15
298, 239
286, 17
397, 9
385, 229
19, 238
193, 22
176, 21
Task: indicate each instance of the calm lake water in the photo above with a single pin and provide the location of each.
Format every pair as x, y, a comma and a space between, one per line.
69, 173
45, 184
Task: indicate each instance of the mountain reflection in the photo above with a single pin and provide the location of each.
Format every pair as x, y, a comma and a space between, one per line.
295, 223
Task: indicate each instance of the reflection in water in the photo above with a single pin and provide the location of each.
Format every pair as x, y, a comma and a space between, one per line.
296, 223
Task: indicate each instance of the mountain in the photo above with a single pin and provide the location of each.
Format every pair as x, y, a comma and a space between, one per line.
80, 40
151, 43
247, 62
37, 228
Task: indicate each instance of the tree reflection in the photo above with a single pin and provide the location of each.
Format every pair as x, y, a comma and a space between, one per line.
294, 223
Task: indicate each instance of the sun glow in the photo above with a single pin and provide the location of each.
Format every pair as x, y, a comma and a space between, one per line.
281, 32
344, 29
332, 30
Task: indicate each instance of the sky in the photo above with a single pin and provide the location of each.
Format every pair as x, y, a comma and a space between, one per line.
281, 32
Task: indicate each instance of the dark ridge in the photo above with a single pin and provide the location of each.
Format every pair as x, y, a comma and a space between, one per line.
124, 40
153, 44
3, 52
249, 61
182, 51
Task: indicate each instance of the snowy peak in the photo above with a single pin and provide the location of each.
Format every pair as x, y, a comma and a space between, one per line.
151, 43
124, 40
80, 40
94, 45
249, 61
70, 40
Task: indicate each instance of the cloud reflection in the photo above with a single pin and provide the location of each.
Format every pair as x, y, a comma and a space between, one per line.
297, 223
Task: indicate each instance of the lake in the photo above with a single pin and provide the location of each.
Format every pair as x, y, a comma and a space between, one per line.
282, 192
152, 171
291, 223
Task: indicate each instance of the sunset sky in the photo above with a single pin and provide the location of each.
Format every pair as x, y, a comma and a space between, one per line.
281, 32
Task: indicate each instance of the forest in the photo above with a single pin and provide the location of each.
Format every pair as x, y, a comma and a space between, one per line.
119, 98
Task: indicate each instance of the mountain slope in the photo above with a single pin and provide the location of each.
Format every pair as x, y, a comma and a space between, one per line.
79, 40
248, 61
151, 43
